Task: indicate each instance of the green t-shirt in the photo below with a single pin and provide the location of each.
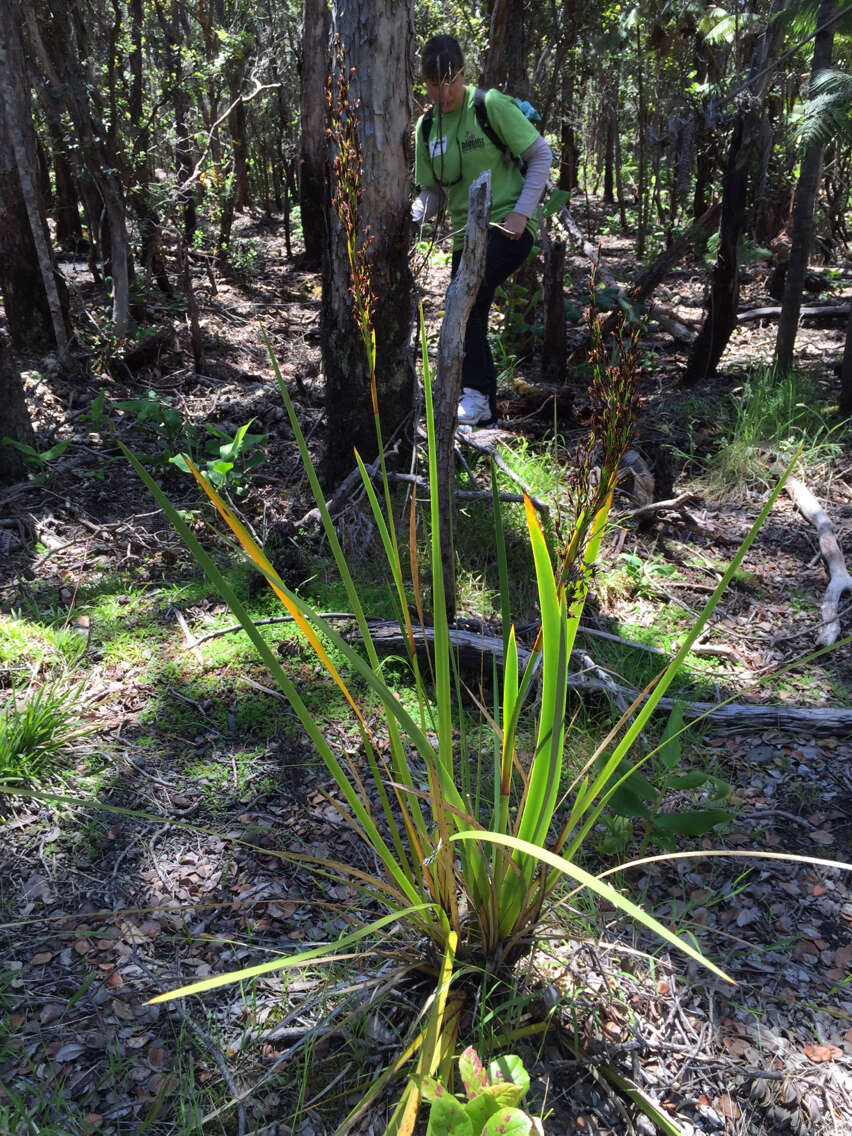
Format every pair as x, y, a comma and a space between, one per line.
458, 146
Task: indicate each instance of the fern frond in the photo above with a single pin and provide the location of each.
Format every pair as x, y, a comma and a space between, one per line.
828, 113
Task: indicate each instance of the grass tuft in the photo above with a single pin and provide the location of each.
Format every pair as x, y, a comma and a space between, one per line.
35, 731
769, 420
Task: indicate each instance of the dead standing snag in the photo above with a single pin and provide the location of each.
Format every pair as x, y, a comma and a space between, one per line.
461, 295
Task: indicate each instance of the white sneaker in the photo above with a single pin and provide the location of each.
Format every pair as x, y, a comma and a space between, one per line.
473, 407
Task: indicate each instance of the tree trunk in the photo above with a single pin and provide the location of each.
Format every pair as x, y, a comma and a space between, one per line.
35, 301
494, 71
375, 37
642, 155
609, 159
803, 209
69, 231
183, 149
554, 347
16, 419
238, 127
54, 47
619, 180
569, 162
710, 343
313, 148
846, 373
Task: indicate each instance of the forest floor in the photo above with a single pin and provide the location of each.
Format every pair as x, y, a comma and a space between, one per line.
205, 783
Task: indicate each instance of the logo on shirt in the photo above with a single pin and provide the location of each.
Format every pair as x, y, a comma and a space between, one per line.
472, 142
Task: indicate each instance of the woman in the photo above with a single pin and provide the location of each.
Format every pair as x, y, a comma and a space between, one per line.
459, 143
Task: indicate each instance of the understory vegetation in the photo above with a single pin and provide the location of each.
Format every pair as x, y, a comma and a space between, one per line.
322, 814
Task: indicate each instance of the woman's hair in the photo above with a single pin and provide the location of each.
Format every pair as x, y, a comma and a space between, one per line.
441, 59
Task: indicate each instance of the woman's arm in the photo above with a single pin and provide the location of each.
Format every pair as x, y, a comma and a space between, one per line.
538, 158
427, 203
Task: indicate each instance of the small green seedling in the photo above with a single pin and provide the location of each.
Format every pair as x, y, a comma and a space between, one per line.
493, 1096
228, 460
35, 459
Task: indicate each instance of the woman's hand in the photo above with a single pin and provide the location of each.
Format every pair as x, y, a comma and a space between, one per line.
514, 225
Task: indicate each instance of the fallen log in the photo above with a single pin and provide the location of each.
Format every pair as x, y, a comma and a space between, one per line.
648, 280
839, 580
478, 651
822, 310
601, 271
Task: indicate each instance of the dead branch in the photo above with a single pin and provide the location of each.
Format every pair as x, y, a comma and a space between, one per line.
491, 451
839, 580
475, 648
665, 262
600, 268
466, 494
655, 507
825, 310
601, 271
461, 296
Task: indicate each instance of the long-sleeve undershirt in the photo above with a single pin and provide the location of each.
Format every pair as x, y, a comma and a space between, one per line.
538, 159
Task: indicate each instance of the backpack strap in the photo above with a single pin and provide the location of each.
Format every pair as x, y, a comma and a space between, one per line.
426, 127
485, 126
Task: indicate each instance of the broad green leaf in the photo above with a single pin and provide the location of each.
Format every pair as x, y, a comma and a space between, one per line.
430, 1087
508, 1122
448, 1118
472, 1072
670, 748
626, 803
491, 1100
688, 780
693, 822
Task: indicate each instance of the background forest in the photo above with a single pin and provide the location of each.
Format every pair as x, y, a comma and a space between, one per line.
207, 267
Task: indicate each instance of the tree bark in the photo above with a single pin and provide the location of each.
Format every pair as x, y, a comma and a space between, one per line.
16, 419
569, 162
642, 147
35, 301
313, 117
710, 343
494, 72
803, 209
554, 348
461, 295
376, 37
845, 405
54, 46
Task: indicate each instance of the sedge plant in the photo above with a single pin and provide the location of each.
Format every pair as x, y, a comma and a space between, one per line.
464, 873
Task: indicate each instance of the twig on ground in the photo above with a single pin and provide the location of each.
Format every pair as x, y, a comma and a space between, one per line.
209, 1044
491, 451
655, 507
464, 494
187, 634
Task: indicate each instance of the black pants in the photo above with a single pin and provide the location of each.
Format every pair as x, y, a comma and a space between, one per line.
502, 257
